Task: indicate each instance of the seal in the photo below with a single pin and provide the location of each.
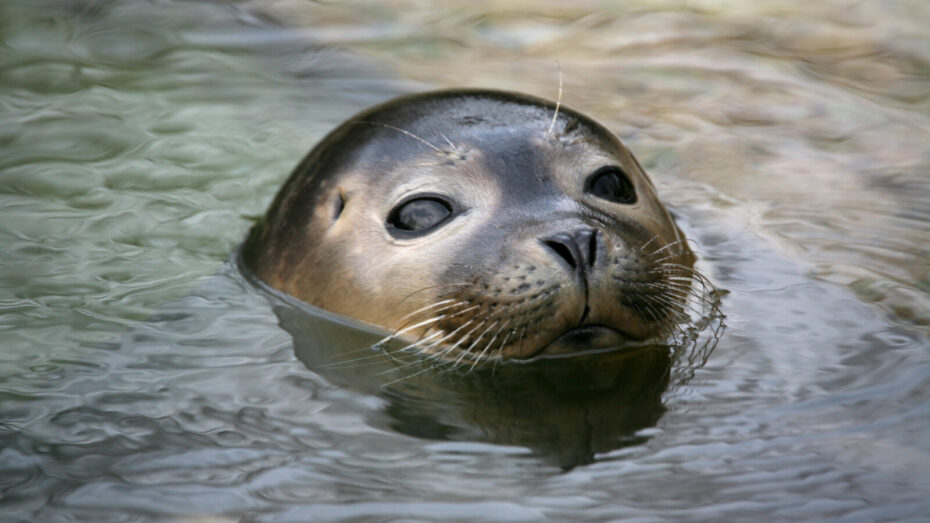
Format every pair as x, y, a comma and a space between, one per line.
478, 225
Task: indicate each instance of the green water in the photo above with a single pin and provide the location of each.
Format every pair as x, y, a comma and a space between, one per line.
142, 379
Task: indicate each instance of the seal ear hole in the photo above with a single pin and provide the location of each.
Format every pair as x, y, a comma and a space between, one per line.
418, 215
611, 183
339, 203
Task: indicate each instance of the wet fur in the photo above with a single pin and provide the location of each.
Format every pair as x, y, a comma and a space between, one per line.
488, 290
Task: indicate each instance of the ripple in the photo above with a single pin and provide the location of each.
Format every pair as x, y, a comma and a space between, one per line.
140, 376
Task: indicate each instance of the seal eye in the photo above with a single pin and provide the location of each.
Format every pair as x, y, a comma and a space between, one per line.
611, 183
419, 214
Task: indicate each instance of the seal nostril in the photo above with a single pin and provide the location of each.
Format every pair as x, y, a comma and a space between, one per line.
578, 248
586, 240
560, 243
592, 250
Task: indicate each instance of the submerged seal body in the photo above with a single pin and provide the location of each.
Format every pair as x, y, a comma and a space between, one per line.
479, 225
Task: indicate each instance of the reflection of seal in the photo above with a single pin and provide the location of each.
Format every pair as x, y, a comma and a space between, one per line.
479, 225
566, 414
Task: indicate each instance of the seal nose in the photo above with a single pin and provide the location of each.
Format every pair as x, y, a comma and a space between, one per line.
578, 248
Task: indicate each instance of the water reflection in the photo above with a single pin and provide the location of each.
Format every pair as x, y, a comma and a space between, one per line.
566, 409
138, 139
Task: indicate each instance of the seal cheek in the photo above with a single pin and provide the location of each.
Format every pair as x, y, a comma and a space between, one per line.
645, 288
512, 307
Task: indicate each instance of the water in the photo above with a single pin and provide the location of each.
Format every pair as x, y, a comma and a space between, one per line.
141, 378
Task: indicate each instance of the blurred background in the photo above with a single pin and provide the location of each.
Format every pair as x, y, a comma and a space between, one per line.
139, 140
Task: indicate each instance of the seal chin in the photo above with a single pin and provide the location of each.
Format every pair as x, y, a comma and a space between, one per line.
585, 338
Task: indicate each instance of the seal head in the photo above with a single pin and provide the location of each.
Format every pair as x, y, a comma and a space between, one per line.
478, 225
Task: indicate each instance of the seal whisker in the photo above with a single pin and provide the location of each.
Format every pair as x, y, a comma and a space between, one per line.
410, 328
467, 351
488, 345
666, 258
444, 338
669, 255
425, 369
655, 314
368, 359
431, 306
424, 289
404, 328
475, 342
415, 137
677, 294
664, 297
682, 288
674, 306
679, 279
463, 338
558, 103
642, 248
688, 288
522, 337
500, 349
373, 353
643, 313
448, 141
671, 280
691, 272
667, 247
677, 266
409, 347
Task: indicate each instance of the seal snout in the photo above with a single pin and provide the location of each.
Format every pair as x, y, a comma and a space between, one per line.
578, 248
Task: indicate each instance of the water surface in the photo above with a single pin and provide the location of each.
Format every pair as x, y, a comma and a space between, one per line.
142, 378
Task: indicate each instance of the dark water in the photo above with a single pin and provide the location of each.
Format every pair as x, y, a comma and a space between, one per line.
141, 378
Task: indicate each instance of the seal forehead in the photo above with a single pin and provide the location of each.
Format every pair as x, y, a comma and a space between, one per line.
512, 138
437, 116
